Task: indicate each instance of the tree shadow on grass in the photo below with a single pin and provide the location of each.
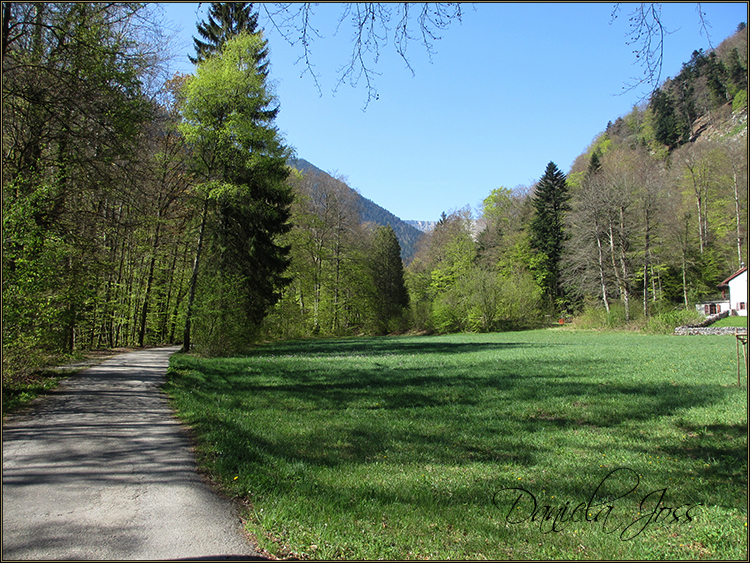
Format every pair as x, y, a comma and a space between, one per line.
361, 414
386, 346
569, 395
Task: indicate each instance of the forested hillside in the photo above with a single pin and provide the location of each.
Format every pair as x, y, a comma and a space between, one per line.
651, 217
370, 212
141, 209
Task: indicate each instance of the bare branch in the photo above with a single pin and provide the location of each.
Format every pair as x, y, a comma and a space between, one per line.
295, 27
373, 28
647, 33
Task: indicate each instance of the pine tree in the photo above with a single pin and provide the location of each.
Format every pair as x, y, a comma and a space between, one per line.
595, 164
390, 297
227, 20
667, 129
239, 161
548, 235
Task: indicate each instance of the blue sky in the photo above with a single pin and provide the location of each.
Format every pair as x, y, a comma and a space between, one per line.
509, 89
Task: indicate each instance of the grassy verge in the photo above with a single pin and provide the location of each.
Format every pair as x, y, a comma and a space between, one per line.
731, 321
23, 384
632, 446
20, 390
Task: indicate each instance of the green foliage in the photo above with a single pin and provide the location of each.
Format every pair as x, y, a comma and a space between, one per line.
225, 21
20, 390
66, 194
740, 101
666, 322
496, 207
228, 118
219, 319
547, 228
663, 321
390, 298
667, 128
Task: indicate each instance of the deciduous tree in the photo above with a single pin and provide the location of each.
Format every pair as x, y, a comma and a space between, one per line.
240, 163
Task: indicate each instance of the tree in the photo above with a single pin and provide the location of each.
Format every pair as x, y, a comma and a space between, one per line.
438, 276
227, 20
585, 262
323, 240
239, 161
390, 298
74, 106
667, 128
548, 235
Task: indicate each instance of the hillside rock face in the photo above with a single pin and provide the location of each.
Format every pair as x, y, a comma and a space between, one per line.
721, 124
424, 226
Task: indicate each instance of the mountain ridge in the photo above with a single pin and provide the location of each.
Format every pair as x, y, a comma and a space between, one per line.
408, 235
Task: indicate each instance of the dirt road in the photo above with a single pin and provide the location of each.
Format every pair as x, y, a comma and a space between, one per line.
100, 469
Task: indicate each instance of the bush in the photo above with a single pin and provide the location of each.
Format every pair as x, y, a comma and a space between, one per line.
663, 322
420, 313
220, 323
666, 322
598, 318
450, 311
740, 101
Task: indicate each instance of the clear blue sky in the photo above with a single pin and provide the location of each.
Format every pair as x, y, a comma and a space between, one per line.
511, 88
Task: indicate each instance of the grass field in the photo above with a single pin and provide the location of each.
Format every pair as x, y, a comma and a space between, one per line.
526, 445
731, 321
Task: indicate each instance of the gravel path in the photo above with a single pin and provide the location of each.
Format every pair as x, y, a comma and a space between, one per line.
100, 469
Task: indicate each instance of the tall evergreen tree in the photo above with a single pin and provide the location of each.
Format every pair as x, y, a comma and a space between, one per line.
595, 164
390, 297
240, 162
227, 20
548, 235
667, 128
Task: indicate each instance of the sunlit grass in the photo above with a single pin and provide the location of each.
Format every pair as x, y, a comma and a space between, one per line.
731, 321
401, 447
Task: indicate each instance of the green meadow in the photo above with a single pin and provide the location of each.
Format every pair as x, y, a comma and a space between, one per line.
739, 322
524, 445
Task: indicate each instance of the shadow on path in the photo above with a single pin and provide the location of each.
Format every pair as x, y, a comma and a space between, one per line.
100, 469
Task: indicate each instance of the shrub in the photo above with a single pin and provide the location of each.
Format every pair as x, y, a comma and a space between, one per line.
740, 101
666, 322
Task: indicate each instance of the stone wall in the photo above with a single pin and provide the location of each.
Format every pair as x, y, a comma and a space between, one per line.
689, 330
704, 328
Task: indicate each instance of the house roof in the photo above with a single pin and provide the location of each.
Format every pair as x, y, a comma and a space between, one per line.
725, 283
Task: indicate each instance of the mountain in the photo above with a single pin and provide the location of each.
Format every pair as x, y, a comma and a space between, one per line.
424, 226
370, 212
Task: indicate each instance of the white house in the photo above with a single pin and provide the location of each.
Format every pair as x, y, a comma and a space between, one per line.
713, 307
737, 286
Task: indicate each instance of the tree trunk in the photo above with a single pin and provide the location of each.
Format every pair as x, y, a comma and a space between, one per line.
602, 277
623, 264
613, 254
646, 264
684, 282
149, 283
194, 281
